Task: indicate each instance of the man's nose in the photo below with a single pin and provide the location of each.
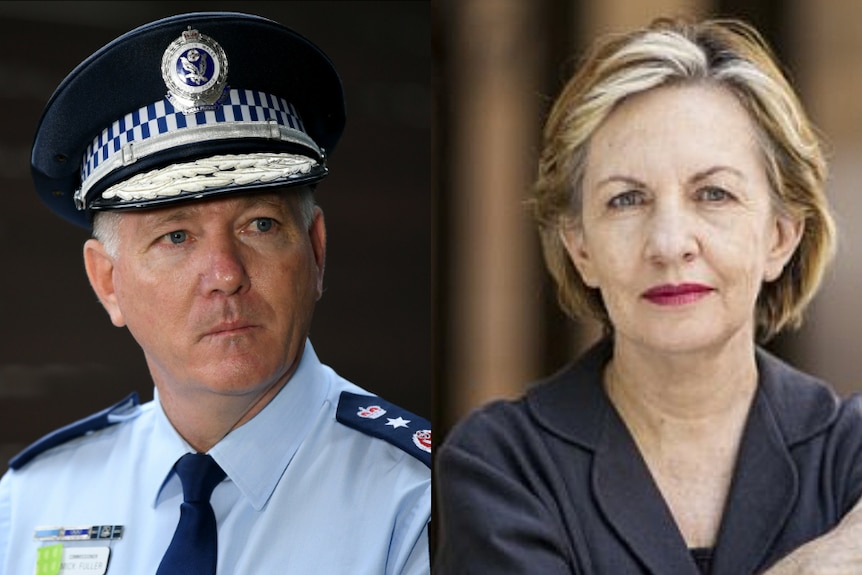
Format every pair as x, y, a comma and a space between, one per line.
223, 266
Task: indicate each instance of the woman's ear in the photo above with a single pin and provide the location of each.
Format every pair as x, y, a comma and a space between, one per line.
786, 234
572, 236
100, 270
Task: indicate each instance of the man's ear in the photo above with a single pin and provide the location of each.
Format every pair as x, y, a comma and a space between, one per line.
786, 235
100, 270
572, 236
317, 236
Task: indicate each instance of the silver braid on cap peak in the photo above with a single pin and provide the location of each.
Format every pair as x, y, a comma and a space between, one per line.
159, 127
208, 173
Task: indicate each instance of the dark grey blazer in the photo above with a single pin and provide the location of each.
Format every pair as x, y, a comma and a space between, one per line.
553, 483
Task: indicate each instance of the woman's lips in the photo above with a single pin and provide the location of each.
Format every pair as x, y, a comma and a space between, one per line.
677, 294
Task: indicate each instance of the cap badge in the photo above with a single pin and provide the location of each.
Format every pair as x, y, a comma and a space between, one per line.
194, 68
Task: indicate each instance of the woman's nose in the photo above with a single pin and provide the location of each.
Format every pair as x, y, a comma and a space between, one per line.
672, 234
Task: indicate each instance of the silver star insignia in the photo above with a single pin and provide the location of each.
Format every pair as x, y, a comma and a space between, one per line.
397, 422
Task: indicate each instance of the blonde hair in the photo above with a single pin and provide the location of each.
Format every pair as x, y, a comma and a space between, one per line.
727, 53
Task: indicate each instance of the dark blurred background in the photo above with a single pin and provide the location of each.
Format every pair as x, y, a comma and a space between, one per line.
60, 357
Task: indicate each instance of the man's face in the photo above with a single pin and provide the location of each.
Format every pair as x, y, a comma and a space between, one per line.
219, 293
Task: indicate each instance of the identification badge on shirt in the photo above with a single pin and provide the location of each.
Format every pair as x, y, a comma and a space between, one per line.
60, 559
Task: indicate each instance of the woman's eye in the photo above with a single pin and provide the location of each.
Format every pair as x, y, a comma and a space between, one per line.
264, 224
177, 237
713, 194
626, 199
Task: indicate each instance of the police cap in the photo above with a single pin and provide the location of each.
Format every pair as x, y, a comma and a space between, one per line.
187, 107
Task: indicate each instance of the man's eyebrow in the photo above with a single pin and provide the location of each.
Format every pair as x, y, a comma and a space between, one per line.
275, 201
170, 217
180, 214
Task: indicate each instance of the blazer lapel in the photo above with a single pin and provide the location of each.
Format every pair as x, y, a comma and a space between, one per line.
764, 491
632, 504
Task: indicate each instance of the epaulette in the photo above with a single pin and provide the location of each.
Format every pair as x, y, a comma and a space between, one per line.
379, 418
95, 422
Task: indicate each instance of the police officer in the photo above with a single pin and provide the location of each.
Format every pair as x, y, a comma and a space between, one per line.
197, 143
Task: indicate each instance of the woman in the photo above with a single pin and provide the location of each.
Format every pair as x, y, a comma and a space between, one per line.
680, 202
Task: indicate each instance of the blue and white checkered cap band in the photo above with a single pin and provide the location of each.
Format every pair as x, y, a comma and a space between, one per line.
158, 127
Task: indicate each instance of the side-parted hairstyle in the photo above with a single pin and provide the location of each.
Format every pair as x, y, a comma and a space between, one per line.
727, 53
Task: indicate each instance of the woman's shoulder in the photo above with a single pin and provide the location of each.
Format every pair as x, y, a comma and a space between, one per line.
804, 404
488, 424
567, 404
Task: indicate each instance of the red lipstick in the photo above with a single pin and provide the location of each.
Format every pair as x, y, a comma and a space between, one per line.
677, 294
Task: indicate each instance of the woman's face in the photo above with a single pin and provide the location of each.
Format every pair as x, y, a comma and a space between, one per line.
678, 231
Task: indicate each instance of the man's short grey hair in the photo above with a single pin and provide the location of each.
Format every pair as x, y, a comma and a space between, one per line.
106, 223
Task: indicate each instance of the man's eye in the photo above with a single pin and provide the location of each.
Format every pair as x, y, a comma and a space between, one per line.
177, 237
264, 224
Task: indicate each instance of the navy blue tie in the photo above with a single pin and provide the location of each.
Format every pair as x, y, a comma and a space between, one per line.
193, 550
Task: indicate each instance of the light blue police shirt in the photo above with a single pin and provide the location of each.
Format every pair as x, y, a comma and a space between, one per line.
310, 489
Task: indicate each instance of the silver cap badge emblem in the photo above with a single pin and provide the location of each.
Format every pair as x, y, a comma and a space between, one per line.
194, 68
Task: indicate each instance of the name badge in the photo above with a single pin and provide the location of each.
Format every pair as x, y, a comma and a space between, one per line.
62, 560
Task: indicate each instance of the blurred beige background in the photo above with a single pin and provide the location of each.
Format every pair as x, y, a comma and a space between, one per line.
498, 64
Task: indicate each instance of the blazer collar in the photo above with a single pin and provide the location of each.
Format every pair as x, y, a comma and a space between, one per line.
789, 408
572, 404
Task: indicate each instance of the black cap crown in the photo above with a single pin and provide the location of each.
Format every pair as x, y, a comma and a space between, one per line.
187, 107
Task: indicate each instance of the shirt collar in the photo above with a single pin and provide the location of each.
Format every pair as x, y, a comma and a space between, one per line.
167, 446
255, 455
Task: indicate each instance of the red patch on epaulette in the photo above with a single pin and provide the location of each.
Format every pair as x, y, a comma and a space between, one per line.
422, 439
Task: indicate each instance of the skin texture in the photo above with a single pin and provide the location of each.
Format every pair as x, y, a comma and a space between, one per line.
675, 191
219, 294
678, 232
836, 553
